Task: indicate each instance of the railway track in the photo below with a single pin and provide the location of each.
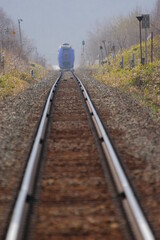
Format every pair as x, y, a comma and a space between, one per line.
70, 163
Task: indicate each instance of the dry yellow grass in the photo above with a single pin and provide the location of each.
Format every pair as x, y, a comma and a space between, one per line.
16, 75
143, 82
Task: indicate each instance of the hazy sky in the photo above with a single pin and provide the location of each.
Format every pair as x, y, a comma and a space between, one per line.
49, 23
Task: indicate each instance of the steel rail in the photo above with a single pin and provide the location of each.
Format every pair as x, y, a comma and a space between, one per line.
139, 224
25, 193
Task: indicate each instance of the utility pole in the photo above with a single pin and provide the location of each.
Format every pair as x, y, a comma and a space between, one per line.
20, 35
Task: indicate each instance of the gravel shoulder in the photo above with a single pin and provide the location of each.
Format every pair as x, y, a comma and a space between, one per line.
137, 138
19, 116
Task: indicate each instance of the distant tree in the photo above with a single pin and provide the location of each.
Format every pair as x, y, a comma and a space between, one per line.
157, 12
121, 33
5, 27
10, 40
95, 40
125, 30
155, 21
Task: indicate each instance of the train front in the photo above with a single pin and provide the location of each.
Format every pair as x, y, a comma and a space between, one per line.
66, 57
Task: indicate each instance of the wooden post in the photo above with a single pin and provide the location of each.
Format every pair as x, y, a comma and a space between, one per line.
3, 64
133, 60
121, 63
145, 45
151, 46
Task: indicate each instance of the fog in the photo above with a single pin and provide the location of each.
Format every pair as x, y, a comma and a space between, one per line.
50, 23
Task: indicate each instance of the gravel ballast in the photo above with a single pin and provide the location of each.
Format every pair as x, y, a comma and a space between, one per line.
19, 117
136, 135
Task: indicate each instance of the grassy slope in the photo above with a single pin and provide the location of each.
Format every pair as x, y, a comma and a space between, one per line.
16, 80
143, 82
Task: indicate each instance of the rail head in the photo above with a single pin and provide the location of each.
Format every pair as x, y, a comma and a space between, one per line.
141, 226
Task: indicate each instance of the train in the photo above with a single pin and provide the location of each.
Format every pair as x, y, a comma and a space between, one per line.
66, 57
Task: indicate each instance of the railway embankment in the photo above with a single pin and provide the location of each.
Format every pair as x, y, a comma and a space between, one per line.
17, 74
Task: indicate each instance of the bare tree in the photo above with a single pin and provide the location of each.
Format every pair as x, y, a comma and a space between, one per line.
121, 33
9, 41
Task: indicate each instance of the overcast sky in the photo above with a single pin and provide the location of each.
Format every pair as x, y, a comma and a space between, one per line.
49, 23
